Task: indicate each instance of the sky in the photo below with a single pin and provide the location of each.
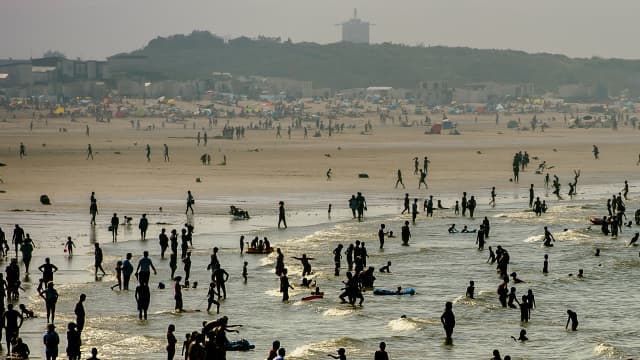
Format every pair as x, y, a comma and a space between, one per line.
92, 29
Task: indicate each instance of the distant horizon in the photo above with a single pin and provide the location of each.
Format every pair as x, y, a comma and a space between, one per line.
284, 39
91, 29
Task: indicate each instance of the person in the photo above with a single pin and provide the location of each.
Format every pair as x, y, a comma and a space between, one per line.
73, 342
337, 256
573, 318
285, 285
341, 354
531, 196
143, 225
480, 237
634, 239
27, 251
452, 229
47, 270
492, 256
580, 273
127, 270
386, 268
545, 265
148, 148
177, 293
94, 354
244, 271
381, 235
166, 152
143, 297
20, 349
17, 238
281, 215
80, 313
115, 222
306, 265
51, 341
211, 297
448, 320
281, 353
23, 151
89, 152
69, 245
164, 242
405, 233
26, 313
423, 180
220, 276
470, 289
471, 206
353, 205
463, 203
143, 271
190, 202
11, 325
50, 296
548, 237
171, 342
596, 152
399, 181
456, 208
98, 258
522, 337
414, 210
486, 226
382, 353
329, 174
496, 355
93, 209
429, 206
273, 352
362, 205
241, 244
493, 197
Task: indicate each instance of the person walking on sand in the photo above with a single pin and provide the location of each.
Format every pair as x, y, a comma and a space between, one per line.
281, 215
93, 209
166, 153
23, 151
89, 152
493, 197
596, 152
148, 153
190, 202
399, 180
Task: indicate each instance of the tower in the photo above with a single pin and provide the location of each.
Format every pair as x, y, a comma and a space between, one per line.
355, 30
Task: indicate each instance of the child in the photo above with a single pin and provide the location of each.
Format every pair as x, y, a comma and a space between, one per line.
118, 275
69, 245
386, 268
456, 209
26, 313
212, 297
185, 344
471, 289
341, 354
244, 271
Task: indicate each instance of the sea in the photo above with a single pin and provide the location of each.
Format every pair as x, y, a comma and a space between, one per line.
438, 265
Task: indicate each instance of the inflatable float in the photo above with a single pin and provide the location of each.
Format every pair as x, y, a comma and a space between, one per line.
409, 291
240, 345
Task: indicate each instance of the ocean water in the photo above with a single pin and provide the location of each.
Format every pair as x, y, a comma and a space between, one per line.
438, 265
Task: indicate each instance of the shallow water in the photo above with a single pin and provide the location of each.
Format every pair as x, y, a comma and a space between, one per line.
438, 265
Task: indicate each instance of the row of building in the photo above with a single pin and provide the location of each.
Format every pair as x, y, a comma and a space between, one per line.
60, 78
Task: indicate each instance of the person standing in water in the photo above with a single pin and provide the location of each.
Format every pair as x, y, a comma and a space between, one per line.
573, 318
98, 257
285, 285
414, 210
115, 222
143, 225
448, 320
80, 313
548, 237
171, 342
493, 197
405, 233
381, 235
69, 245
281, 215
143, 298
406, 204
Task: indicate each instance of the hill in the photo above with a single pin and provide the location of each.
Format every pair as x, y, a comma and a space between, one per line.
346, 65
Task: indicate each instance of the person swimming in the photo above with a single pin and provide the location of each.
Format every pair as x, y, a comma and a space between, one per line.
634, 240
452, 229
522, 337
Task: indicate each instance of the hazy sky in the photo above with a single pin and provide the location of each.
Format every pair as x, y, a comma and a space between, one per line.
97, 29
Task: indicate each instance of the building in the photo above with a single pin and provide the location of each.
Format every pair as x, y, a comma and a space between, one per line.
435, 92
355, 30
490, 92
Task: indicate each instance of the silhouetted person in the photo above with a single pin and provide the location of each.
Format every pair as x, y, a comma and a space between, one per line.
448, 320
115, 222
470, 289
281, 215
572, 317
399, 180
190, 202
143, 297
